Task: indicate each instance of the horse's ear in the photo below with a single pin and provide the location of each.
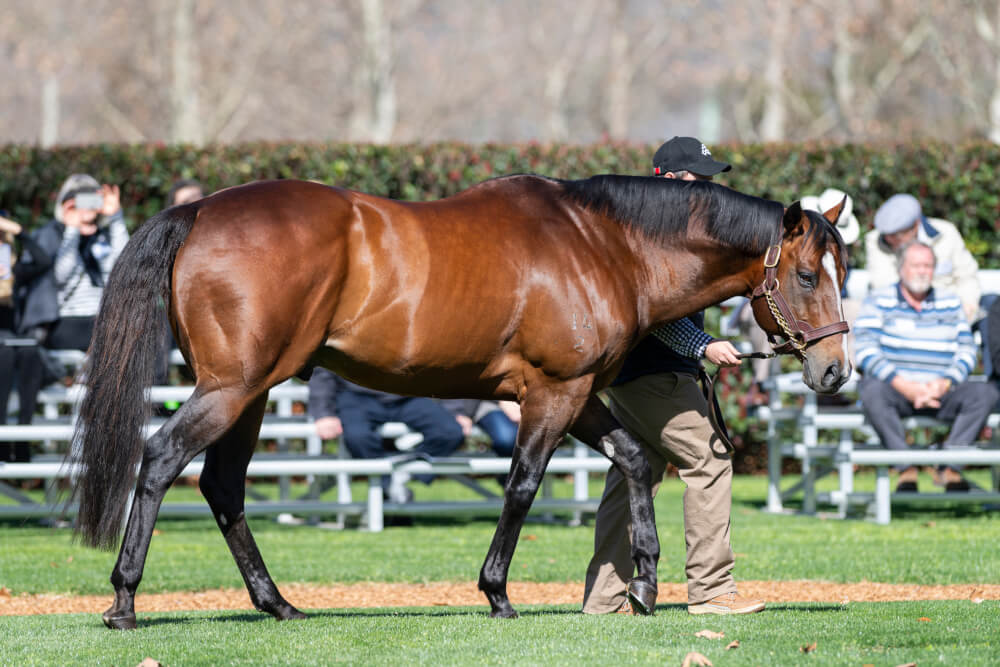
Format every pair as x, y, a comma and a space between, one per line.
833, 214
793, 217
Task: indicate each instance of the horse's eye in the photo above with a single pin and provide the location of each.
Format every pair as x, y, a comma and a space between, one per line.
807, 280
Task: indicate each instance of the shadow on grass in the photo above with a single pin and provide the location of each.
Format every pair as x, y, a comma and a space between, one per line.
943, 509
177, 618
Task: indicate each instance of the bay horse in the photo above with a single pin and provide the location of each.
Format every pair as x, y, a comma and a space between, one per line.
522, 287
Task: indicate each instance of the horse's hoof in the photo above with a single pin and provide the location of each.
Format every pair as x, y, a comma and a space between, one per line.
504, 613
119, 621
290, 614
642, 596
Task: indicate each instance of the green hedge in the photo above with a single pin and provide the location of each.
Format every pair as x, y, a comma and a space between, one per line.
954, 182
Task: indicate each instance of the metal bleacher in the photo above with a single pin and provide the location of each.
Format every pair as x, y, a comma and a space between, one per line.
299, 453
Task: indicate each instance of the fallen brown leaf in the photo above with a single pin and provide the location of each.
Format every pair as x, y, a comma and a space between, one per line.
157, 531
710, 634
695, 658
930, 524
924, 619
808, 648
733, 644
531, 537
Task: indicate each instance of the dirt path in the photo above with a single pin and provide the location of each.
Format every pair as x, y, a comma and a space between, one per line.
307, 596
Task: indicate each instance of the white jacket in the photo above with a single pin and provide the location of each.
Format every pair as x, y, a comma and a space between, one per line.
955, 270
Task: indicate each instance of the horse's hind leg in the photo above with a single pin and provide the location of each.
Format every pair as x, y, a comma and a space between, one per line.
545, 417
597, 427
198, 423
223, 482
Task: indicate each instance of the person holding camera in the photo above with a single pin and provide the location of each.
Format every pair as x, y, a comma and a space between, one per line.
59, 306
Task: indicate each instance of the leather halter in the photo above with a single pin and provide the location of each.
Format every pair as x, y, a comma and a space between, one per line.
798, 333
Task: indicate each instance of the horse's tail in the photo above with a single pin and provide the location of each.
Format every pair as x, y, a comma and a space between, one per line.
109, 437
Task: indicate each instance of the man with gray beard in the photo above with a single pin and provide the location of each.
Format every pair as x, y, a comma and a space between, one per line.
915, 350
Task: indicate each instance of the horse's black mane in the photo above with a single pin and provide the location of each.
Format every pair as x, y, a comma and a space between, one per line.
661, 208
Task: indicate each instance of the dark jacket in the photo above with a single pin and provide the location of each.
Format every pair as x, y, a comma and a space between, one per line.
38, 297
652, 355
36, 294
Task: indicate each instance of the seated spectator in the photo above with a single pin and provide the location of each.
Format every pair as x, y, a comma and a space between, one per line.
15, 350
342, 408
915, 350
498, 420
60, 304
849, 230
900, 220
8, 261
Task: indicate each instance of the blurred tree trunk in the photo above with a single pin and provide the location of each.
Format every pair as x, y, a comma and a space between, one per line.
558, 74
991, 35
374, 115
620, 73
772, 122
49, 135
186, 121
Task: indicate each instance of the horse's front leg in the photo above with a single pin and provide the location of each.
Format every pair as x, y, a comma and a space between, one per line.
545, 417
597, 427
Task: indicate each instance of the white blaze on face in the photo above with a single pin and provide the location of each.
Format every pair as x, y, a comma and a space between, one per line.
830, 264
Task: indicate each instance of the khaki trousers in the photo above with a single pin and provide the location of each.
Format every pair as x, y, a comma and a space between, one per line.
669, 416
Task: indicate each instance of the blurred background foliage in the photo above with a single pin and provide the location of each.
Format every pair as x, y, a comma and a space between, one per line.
953, 181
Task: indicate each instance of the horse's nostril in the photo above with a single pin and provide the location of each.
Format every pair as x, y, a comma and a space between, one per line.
832, 374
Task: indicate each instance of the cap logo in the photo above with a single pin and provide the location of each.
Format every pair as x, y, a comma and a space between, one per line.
704, 151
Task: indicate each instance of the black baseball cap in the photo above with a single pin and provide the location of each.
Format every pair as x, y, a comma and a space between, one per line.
686, 154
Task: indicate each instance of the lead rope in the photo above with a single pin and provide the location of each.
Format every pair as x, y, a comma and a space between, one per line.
715, 416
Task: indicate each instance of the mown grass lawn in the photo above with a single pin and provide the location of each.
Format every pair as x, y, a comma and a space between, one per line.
957, 633
928, 545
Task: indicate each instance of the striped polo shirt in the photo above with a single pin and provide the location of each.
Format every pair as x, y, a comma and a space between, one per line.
891, 337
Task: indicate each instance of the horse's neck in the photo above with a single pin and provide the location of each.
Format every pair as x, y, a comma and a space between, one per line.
691, 281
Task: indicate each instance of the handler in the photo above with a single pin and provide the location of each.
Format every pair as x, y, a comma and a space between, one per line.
656, 397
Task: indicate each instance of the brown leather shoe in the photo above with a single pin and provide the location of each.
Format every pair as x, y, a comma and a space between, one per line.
907, 480
729, 603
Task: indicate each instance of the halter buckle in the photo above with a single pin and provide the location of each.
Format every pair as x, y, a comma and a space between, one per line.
772, 256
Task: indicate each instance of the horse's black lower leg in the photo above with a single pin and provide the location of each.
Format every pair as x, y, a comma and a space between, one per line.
191, 429
223, 483
546, 413
525, 476
597, 427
